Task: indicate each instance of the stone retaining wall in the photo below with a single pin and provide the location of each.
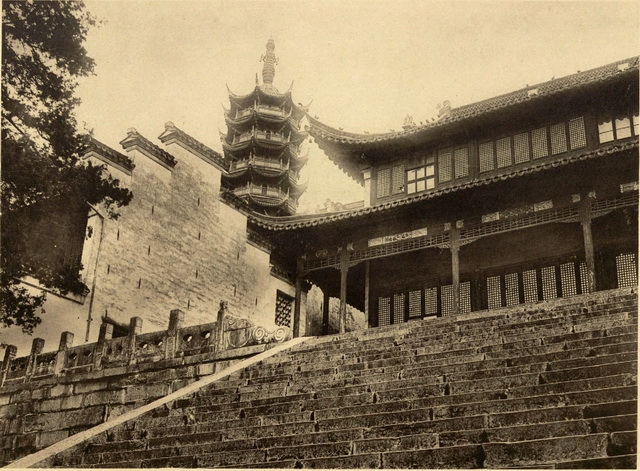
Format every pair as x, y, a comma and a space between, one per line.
46, 397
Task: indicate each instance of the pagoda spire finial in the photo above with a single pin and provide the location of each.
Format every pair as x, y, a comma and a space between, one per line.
270, 60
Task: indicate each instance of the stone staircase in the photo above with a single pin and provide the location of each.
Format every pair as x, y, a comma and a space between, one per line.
545, 385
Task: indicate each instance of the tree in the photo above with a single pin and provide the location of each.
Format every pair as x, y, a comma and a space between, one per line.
47, 188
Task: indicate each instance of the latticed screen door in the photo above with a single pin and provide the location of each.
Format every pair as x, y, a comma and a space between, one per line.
415, 304
626, 270
284, 306
557, 280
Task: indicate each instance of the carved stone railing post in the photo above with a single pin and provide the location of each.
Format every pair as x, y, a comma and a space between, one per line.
106, 333
66, 341
9, 355
176, 319
220, 343
135, 328
36, 349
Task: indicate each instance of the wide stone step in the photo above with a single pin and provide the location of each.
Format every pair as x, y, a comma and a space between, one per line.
433, 330
263, 375
432, 382
348, 349
609, 462
534, 444
550, 450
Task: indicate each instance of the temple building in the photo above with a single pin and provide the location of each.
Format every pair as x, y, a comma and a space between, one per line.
527, 196
262, 145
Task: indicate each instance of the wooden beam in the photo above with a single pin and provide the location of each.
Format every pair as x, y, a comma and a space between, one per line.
585, 221
455, 267
298, 298
344, 271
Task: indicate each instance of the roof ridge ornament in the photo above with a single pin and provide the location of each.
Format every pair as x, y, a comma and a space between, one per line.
444, 109
270, 60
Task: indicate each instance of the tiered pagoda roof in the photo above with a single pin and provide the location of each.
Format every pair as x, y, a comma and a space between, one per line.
262, 145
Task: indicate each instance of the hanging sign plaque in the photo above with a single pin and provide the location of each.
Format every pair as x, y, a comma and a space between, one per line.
397, 237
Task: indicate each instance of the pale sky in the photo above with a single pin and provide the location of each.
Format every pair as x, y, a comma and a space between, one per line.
365, 64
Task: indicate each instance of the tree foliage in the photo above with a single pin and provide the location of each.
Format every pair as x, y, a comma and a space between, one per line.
47, 188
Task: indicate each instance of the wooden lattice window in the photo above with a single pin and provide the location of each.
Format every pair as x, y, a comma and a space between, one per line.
584, 279
465, 296
577, 135
415, 303
558, 139
521, 147
444, 167
605, 131
384, 311
620, 128
539, 143
398, 308
549, 287
431, 300
284, 307
494, 292
512, 289
623, 128
383, 183
461, 162
530, 286
397, 179
421, 179
446, 299
503, 152
485, 151
568, 279
626, 270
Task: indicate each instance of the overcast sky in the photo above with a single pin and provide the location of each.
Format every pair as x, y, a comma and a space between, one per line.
365, 64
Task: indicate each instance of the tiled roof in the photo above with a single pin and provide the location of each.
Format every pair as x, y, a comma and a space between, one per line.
213, 157
134, 138
108, 154
301, 221
322, 131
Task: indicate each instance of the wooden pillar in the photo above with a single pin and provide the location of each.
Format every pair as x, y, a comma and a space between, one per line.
455, 268
585, 221
325, 313
344, 271
367, 274
298, 297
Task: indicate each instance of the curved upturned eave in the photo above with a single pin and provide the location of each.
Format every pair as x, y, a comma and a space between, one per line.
258, 94
256, 117
301, 221
265, 200
297, 162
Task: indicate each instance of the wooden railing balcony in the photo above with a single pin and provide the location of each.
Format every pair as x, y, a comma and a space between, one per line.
270, 136
267, 191
258, 162
263, 135
266, 109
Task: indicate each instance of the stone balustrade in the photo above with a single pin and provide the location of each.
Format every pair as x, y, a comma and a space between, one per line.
137, 347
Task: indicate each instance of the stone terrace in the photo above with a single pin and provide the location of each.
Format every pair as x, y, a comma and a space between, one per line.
545, 385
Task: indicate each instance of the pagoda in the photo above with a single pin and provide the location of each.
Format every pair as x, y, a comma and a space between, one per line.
262, 145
